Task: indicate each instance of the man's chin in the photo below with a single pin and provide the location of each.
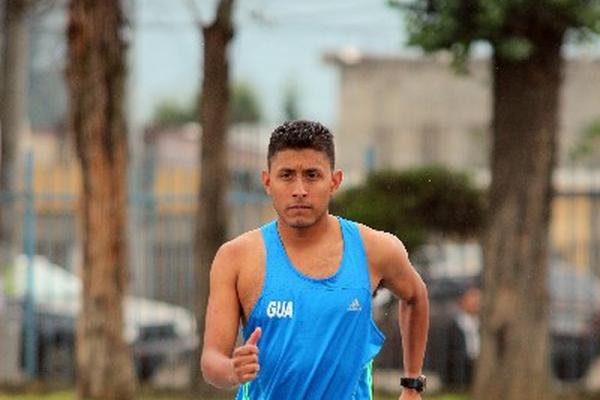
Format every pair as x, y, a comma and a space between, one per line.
300, 223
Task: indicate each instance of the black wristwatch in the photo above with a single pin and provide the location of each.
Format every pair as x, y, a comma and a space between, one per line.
417, 384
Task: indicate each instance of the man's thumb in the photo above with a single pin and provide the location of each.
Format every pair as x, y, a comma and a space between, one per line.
253, 339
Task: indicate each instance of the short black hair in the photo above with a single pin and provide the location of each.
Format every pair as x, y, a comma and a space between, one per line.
301, 134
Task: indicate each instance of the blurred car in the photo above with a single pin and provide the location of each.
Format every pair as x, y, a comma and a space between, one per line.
574, 308
157, 332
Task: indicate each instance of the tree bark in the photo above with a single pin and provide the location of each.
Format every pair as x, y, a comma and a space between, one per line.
96, 74
514, 363
12, 117
211, 218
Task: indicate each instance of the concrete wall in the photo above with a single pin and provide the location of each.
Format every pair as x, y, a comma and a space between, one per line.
402, 112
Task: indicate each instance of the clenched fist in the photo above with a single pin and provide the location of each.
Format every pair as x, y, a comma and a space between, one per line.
245, 359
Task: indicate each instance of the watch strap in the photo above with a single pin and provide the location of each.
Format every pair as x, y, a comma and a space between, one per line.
417, 384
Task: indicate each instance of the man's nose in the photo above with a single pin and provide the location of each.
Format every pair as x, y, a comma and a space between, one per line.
299, 189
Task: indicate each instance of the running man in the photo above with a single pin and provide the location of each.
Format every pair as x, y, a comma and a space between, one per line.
302, 287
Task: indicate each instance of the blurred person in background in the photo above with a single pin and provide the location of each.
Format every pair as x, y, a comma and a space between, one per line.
463, 338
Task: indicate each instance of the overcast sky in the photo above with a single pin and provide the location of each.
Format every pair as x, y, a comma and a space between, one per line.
277, 43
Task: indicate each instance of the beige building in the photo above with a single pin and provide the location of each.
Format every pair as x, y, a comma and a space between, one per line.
399, 112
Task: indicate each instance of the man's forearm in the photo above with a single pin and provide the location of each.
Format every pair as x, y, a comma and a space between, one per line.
414, 325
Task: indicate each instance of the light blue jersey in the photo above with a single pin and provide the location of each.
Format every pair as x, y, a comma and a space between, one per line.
318, 338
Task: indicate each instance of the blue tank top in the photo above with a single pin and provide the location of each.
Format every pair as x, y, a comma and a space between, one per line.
318, 337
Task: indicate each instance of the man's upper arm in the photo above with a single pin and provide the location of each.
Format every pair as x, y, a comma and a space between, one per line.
223, 311
397, 273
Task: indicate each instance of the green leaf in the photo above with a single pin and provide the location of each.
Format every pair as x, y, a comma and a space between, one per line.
515, 48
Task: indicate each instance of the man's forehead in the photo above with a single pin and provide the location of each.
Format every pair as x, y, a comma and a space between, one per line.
304, 158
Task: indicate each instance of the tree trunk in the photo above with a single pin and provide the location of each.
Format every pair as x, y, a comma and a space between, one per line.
514, 362
214, 176
12, 117
96, 73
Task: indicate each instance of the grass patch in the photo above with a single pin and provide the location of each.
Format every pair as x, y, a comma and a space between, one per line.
67, 395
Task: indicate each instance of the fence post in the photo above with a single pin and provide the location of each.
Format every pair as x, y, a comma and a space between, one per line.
30, 347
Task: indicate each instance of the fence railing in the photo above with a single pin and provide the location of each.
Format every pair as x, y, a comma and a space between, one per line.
161, 231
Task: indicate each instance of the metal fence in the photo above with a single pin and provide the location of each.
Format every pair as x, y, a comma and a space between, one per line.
40, 291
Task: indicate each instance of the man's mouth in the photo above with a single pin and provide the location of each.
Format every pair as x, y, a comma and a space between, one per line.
299, 207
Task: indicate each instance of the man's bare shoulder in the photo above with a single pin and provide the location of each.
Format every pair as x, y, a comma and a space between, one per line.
382, 248
244, 242
235, 253
389, 263
244, 245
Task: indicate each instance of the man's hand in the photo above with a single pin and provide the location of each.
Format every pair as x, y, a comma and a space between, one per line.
410, 394
245, 359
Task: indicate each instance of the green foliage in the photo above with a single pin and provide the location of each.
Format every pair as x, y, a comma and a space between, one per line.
170, 113
415, 204
506, 24
245, 107
588, 144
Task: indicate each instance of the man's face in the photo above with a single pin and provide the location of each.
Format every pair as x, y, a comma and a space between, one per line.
301, 183
471, 301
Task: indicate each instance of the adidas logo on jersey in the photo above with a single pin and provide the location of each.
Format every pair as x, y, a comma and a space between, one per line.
354, 306
280, 309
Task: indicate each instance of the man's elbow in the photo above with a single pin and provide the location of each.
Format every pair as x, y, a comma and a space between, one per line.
419, 292
422, 295
422, 291
419, 295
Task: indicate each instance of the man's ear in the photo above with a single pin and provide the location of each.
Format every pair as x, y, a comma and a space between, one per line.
266, 181
336, 180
